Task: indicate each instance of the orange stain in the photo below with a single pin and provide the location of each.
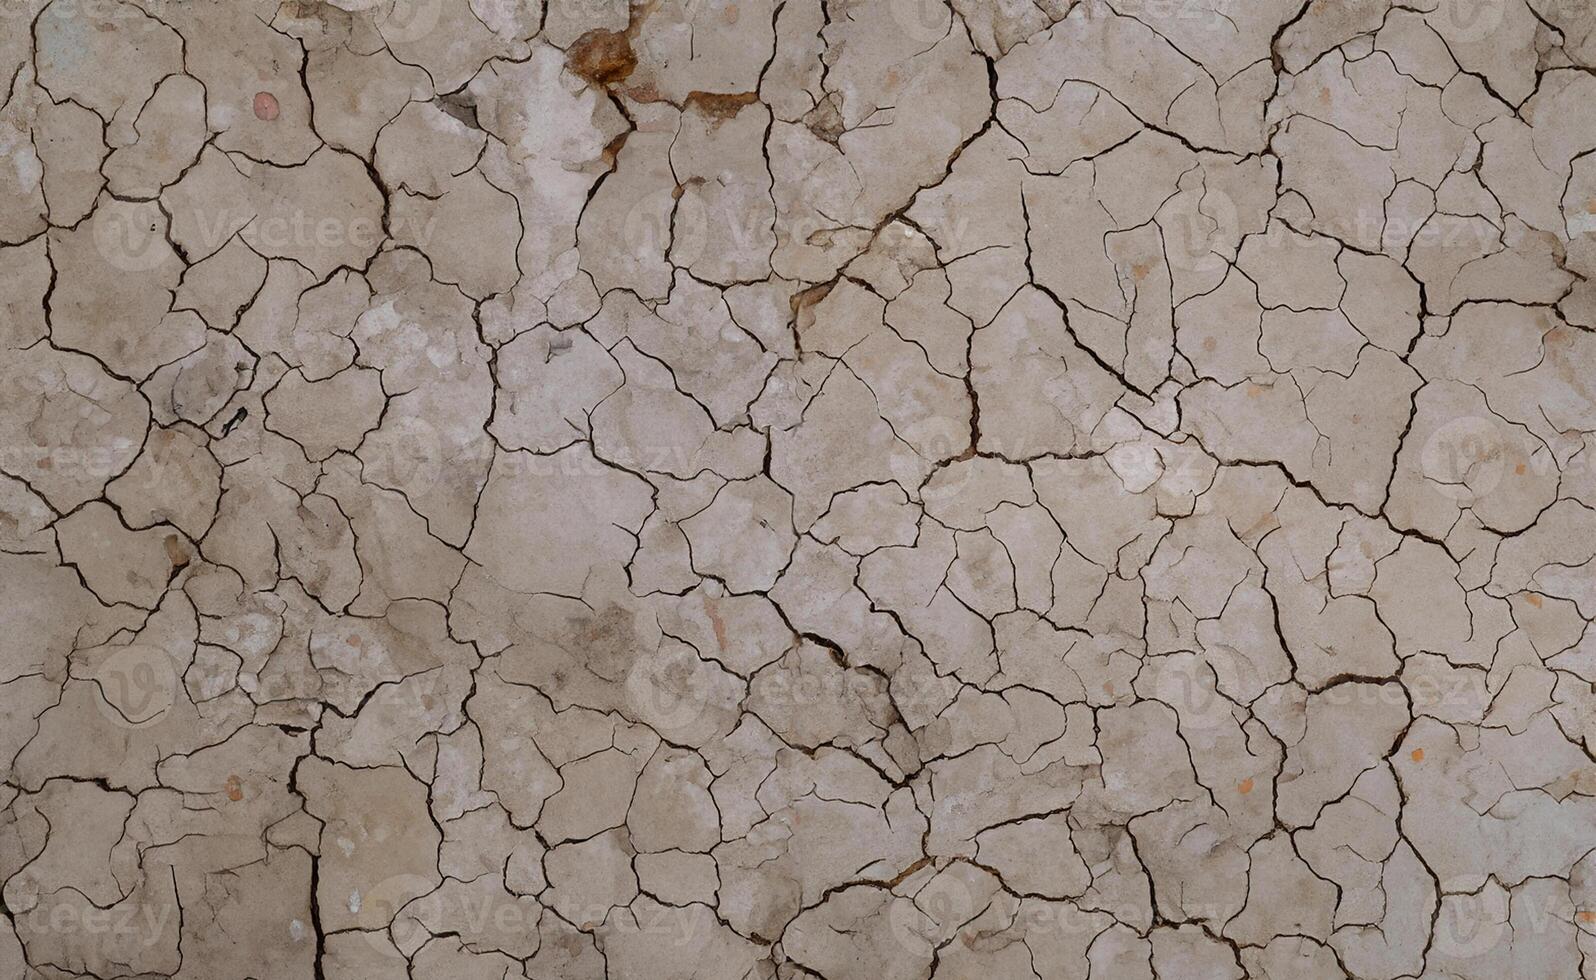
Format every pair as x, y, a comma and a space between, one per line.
1418, 755
717, 623
1245, 786
1518, 470
1587, 916
1533, 600
235, 788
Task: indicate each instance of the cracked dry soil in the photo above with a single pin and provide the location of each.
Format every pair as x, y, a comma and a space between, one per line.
776, 489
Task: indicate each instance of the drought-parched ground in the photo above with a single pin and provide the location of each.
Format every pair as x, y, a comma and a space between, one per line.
845, 489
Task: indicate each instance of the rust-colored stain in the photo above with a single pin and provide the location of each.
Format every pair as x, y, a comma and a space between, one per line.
1245, 786
602, 57
235, 788
721, 106
1533, 600
715, 622
1417, 755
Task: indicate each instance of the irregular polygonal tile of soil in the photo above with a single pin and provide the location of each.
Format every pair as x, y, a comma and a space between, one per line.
775, 489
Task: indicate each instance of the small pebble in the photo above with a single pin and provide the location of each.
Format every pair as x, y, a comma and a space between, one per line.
265, 106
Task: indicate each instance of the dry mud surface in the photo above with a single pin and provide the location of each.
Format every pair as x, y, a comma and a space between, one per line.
754, 489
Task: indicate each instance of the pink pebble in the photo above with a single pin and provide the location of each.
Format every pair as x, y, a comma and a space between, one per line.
265, 106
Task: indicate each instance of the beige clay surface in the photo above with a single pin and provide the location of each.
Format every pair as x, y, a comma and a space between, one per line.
776, 489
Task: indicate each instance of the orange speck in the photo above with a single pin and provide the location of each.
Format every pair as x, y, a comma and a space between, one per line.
1587, 916
265, 106
1253, 391
1518, 470
235, 788
354, 641
1140, 270
1533, 600
1418, 755
1245, 786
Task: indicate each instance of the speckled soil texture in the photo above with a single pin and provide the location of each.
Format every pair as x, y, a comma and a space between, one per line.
781, 489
